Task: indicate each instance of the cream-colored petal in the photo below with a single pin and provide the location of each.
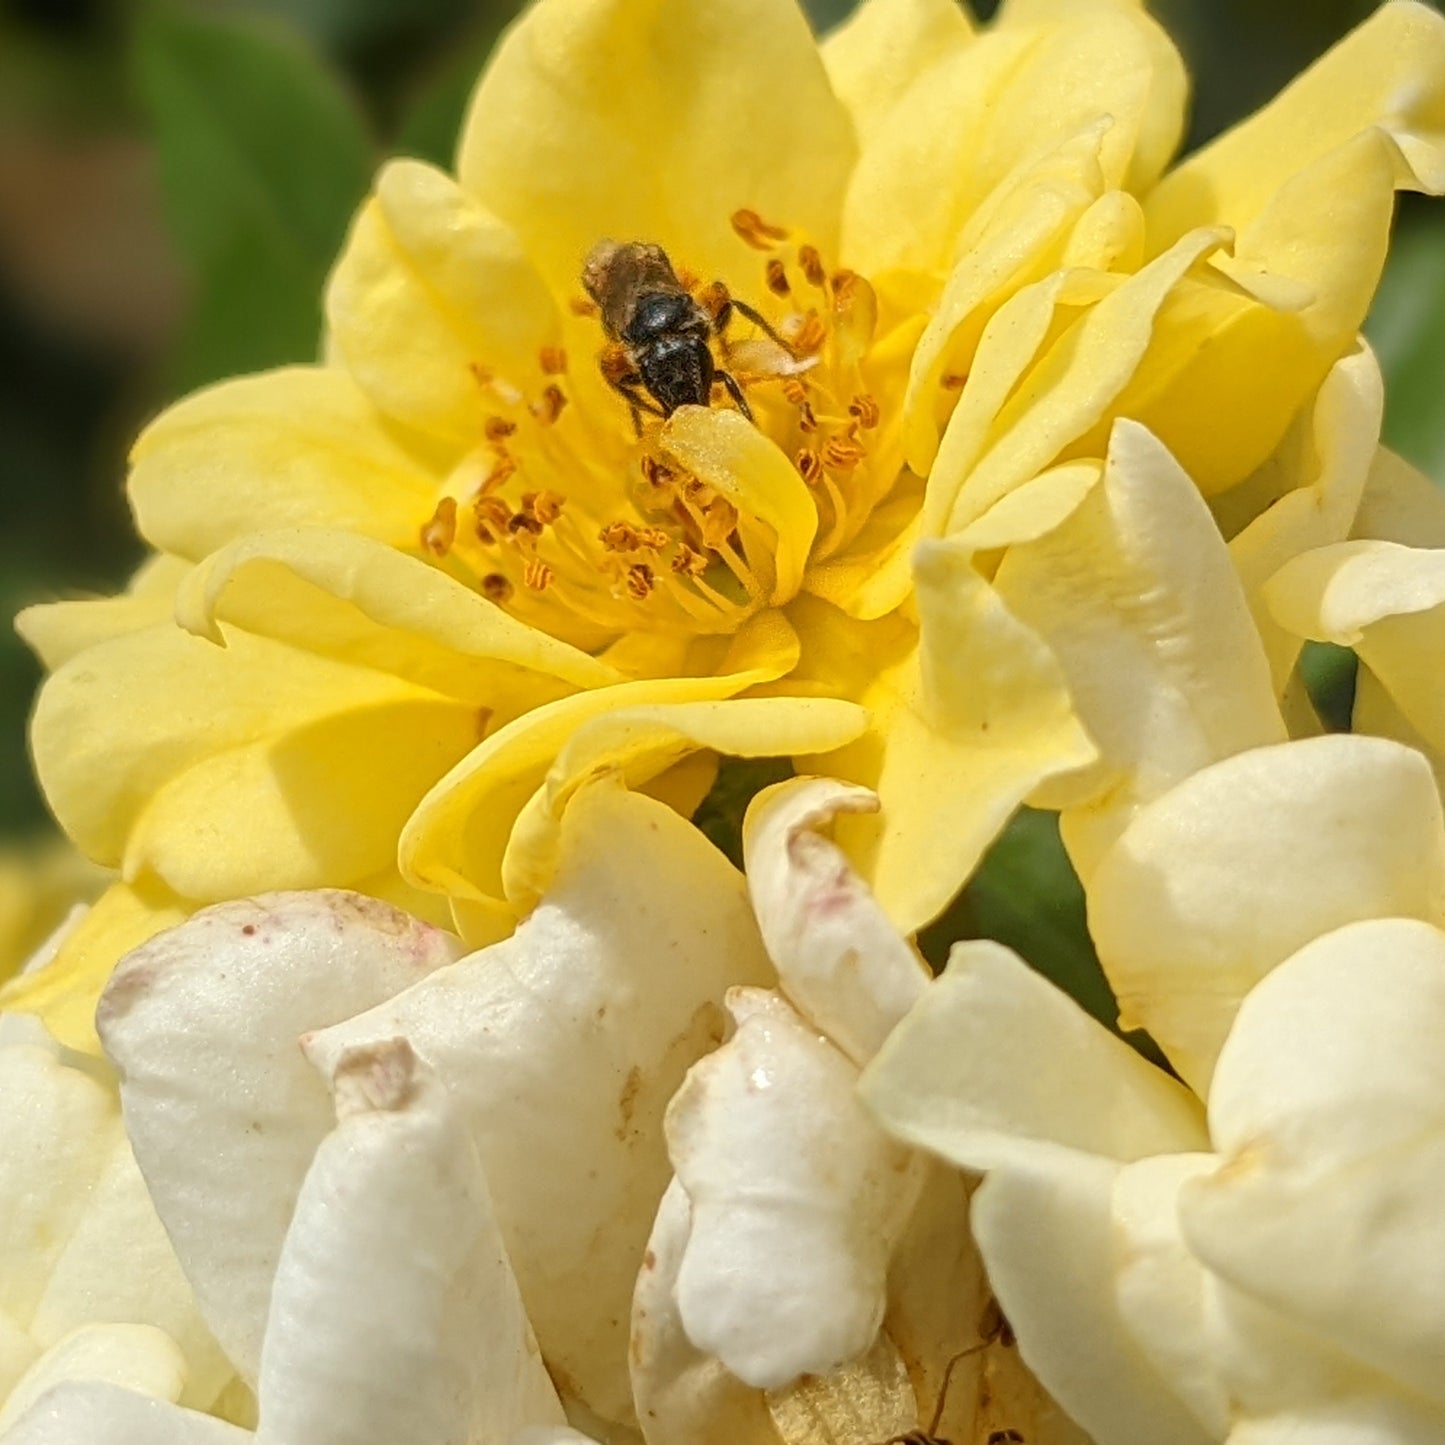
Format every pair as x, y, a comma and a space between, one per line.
683, 1395
635, 745
119, 1265
1388, 603
394, 1314
1136, 596
876, 55
1046, 1230
840, 962
1376, 714
137, 1357
1357, 1420
221, 1108
1400, 504
59, 1126
1328, 1107
1186, 910
301, 446
1326, 486
433, 297
964, 729
996, 1064
1164, 1294
586, 102
102, 1414
564, 1043
798, 1199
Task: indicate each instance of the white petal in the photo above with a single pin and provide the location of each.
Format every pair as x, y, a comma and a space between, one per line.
839, 960
1047, 1235
563, 1045
683, 1396
1136, 594
140, 1357
1329, 1111
1359, 1420
798, 1199
222, 1110
91, 1414
1224, 877
394, 1314
995, 1062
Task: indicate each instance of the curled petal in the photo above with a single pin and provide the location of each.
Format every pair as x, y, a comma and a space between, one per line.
222, 1110
797, 1200
106, 1414
840, 961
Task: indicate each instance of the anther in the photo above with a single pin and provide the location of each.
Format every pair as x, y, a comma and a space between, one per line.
496, 588
537, 575
810, 464
655, 471
865, 409
719, 521
843, 454
581, 306
521, 524
546, 506
812, 264
688, 563
810, 335
806, 419
618, 537
440, 532
953, 380
553, 360
503, 467
548, 407
482, 375
776, 276
640, 581
492, 515
498, 427
844, 283
757, 232
795, 392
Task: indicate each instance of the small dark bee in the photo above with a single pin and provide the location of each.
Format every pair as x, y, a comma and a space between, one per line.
661, 333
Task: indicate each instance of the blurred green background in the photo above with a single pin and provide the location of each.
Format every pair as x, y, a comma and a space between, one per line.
175, 179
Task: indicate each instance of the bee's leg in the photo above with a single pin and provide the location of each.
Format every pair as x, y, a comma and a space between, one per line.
734, 391
760, 321
626, 386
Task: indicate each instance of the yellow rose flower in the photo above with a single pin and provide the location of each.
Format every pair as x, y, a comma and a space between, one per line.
425, 589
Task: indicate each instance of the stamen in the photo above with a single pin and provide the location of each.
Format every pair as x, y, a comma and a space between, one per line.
549, 405
865, 409
537, 575
775, 275
498, 427
546, 506
953, 380
640, 581
756, 232
581, 306
496, 588
440, 532
520, 525
503, 467
809, 464
843, 453
688, 563
810, 335
492, 516
553, 360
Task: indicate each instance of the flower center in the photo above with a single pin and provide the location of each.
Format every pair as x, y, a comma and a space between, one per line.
577, 516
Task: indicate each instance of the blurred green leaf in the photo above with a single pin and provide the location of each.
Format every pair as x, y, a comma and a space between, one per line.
434, 122
1329, 674
264, 157
1407, 330
1026, 894
739, 780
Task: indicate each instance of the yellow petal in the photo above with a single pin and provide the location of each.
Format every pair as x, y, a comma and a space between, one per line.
964, 728
1019, 234
432, 296
348, 598
1136, 595
1325, 466
56, 631
1376, 715
873, 574
64, 993
999, 105
1389, 72
587, 103
131, 717
457, 839
1022, 406
877, 54
636, 744
1388, 603
727, 452
297, 446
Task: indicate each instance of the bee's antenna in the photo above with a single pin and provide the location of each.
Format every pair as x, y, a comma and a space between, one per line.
943, 1388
